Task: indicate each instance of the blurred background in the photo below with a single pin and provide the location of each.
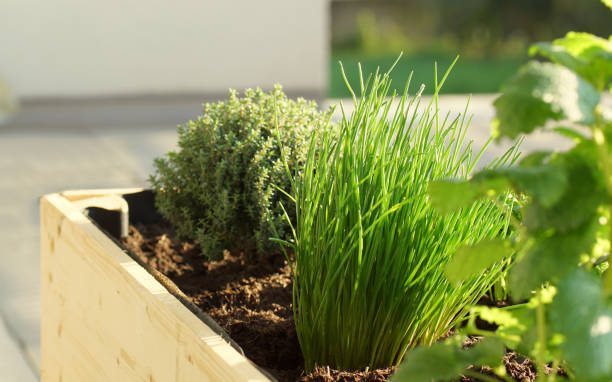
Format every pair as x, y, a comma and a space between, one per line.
91, 92
490, 36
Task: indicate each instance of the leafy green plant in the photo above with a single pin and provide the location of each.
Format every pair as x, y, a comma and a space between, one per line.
563, 242
8, 103
218, 188
369, 248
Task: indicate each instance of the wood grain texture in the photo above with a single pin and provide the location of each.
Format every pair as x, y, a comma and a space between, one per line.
104, 318
74, 195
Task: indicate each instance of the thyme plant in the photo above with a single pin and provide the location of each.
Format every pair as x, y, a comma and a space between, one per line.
369, 248
218, 188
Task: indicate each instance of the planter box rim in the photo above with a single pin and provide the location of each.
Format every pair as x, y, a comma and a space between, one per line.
74, 252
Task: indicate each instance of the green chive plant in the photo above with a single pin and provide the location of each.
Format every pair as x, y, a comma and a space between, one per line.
369, 248
563, 241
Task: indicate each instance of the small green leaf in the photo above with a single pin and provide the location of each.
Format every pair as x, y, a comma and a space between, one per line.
540, 92
588, 55
439, 362
450, 196
581, 314
570, 133
469, 260
496, 316
446, 360
535, 158
549, 259
511, 324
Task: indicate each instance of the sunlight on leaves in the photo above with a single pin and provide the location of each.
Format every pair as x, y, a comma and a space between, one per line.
588, 55
541, 92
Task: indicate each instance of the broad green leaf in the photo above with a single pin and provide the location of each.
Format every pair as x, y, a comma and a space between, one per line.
546, 183
469, 260
446, 360
520, 113
549, 259
581, 314
450, 196
540, 92
584, 193
608, 3
588, 55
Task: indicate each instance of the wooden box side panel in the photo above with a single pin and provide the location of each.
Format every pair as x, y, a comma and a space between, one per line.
104, 318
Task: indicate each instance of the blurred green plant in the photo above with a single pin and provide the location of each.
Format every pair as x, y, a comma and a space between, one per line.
376, 38
369, 248
218, 188
476, 28
563, 242
492, 37
8, 103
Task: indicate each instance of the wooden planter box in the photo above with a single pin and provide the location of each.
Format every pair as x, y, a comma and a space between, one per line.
105, 318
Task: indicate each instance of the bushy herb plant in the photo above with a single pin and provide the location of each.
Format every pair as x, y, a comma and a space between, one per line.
563, 242
369, 248
219, 187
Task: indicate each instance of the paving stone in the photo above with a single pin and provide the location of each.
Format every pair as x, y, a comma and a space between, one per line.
136, 147
22, 318
13, 366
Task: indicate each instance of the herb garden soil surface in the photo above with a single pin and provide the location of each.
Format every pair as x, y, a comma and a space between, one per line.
252, 302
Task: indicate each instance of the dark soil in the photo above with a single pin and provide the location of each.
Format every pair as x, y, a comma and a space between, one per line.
253, 304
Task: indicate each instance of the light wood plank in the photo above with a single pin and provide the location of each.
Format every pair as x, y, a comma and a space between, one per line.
74, 195
104, 318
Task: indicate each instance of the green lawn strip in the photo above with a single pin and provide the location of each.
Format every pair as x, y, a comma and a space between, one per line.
470, 75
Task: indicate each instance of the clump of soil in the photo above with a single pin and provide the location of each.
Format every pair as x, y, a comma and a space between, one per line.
519, 367
325, 374
253, 304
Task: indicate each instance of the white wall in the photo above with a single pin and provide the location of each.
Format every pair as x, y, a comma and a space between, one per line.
72, 48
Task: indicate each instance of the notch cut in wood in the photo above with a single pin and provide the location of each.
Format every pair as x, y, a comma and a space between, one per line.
110, 212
